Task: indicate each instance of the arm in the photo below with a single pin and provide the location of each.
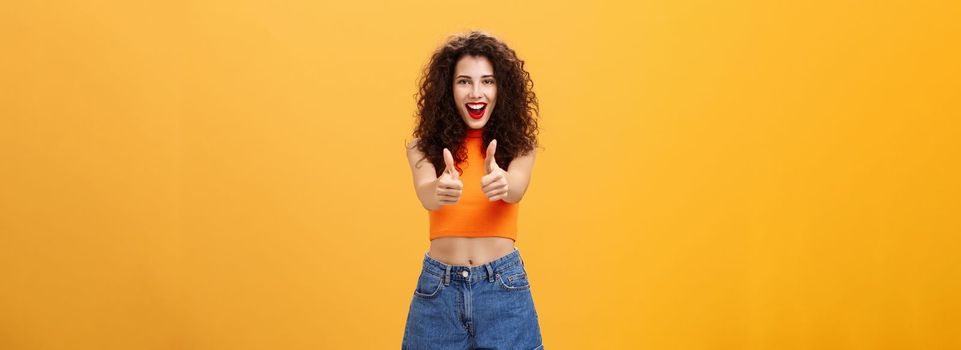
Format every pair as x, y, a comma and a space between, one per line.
424, 174
519, 176
507, 185
433, 191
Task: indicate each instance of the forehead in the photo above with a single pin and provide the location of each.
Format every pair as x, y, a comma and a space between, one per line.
474, 66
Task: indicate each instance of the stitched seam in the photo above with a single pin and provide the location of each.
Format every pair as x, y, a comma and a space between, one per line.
431, 295
526, 286
518, 276
431, 271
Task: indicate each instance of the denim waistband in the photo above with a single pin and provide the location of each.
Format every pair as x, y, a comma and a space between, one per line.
487, 271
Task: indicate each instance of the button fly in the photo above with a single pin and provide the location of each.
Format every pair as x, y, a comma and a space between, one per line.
464, 273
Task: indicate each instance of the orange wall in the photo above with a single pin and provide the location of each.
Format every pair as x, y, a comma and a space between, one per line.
715, 175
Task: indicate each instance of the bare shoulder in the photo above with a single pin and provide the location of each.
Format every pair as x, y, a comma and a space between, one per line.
528, 156
523, 162
532, 153
422, 169
414, 155
412, 142
412, 150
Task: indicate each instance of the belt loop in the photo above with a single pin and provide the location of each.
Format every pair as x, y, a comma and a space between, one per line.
447, 276
490, 272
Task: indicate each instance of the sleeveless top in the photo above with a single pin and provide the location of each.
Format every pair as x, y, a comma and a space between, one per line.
473, 215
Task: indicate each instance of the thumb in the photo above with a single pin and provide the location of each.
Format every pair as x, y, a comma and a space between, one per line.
449, 161
491, 149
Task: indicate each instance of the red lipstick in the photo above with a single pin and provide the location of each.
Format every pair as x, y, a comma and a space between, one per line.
476, 113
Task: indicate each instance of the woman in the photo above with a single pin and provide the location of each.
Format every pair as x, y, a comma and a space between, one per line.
471, 160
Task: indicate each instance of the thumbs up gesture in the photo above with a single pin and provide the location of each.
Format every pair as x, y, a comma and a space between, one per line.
449, 186
494, 184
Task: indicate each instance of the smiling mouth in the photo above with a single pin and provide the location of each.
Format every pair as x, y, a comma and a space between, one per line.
476, 110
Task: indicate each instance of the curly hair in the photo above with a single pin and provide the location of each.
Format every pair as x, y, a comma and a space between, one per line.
512, 121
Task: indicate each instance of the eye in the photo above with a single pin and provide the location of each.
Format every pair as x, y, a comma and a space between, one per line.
463, 81
489, 81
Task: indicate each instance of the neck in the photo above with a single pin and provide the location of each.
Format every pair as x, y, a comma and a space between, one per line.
475, 132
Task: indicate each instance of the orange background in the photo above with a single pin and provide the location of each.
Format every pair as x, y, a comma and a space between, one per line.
715, 175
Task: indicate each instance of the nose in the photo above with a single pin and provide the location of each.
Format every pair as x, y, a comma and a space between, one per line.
475, 92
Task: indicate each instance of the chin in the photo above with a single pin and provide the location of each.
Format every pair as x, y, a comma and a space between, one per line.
476, 124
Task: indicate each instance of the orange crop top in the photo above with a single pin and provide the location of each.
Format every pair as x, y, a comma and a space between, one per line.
473, 215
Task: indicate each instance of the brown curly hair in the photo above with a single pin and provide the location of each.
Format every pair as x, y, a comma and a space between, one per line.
512, 120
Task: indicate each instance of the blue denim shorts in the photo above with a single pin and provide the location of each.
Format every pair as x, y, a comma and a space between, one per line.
481, 307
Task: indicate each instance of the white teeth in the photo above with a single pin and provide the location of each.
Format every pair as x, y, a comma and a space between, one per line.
475, 106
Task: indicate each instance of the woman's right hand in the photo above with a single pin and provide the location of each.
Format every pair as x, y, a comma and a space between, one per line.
448, 186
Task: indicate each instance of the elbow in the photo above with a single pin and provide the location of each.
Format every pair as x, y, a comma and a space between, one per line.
430, 206
425, 198
514, 200
515, 196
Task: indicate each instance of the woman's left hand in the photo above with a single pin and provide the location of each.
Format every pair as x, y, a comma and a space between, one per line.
494, 184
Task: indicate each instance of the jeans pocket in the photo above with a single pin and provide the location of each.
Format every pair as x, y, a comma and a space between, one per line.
428, 285
514, 278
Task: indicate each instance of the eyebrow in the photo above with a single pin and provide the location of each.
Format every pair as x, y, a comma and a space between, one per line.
464, 76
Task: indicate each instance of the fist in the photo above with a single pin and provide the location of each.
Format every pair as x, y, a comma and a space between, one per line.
494, 184
449, 186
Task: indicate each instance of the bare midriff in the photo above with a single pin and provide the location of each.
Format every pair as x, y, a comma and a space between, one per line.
469, 251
